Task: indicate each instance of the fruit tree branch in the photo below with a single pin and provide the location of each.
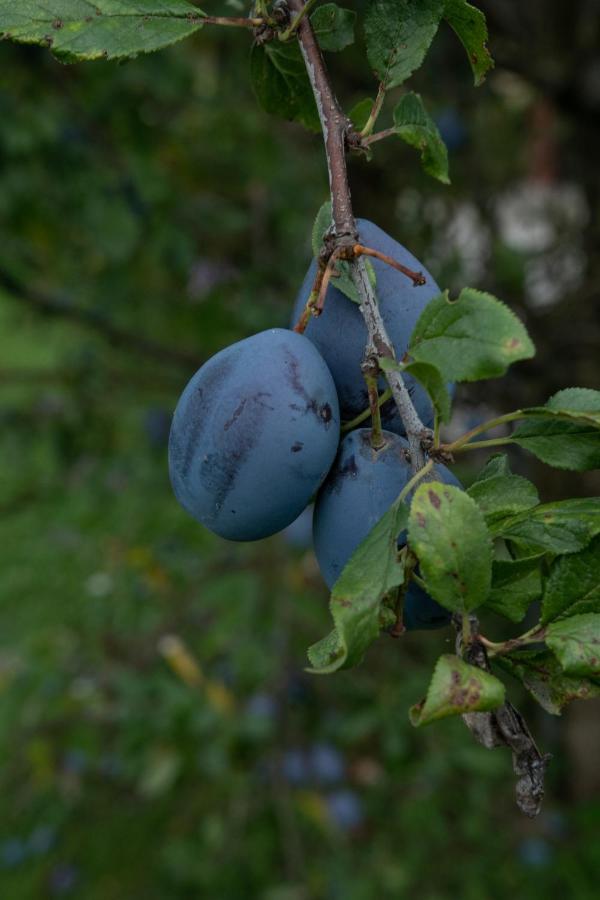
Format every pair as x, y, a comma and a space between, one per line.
336, 127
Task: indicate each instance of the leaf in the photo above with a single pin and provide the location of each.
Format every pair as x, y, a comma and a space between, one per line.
415, 126
541, 674
516, 583
360, 112
473, 337
497, 464
333, 26
573, 586
281, 85
562, 527
432, 380
564, 445
323, 222
469, 24
399, 33
578, 404
78, 30
371, 572
576, 644
448, 534
502, 495
456, 688
321, 226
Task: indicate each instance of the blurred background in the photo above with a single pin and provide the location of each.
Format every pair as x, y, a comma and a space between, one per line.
159, 737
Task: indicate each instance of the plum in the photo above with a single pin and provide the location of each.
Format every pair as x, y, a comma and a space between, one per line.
340, 335
361, 486
254, 435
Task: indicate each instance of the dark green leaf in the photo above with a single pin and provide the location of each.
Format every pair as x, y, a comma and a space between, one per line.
415, 126
563, 527
576, 644
399, 33
447, 533
455, 688
333, 26
559, 443
576, 404
321, 226
281, 85
502, 495
471, 338
432, 380
573, 586
516, 583
372, 571
469, 24
543, 677
497, 464
109, 29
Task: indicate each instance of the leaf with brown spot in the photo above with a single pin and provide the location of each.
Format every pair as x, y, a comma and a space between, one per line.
457, 688
448, 534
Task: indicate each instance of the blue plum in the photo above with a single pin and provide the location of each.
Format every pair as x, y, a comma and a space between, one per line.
254, 435
340, 335
361, 486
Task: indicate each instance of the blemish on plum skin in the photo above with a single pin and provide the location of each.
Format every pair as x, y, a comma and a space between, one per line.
326, 413
57, 24
434, 499
295, 448
421, 520
343, 602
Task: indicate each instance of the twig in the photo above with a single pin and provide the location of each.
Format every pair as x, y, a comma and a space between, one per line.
232, 21
335, 126
378, 136
417, 278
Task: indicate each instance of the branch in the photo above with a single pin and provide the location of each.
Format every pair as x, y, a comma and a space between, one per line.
87, 318
336, 126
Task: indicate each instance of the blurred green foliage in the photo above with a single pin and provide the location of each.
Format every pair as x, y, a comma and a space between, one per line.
159, 736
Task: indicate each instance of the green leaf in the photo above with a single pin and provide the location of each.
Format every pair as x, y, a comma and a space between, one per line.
399, 33
541, 674
432, 380
360, 112
516, 583
576, 404
371, 572
415, 126
573, 586
455, 688
333, 26
576, 644
497, 464
103, 29
448, 534
321, 226
473, 337
562, 527
502, 495
564, 445
469, 24
281, 85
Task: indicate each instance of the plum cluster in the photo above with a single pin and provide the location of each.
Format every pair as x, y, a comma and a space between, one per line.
256, 433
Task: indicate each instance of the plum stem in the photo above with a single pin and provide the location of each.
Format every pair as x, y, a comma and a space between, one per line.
366, 413
370, 373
